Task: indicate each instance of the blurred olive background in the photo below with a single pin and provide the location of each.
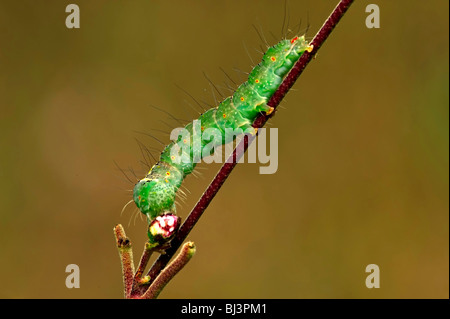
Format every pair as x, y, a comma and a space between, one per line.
363, 148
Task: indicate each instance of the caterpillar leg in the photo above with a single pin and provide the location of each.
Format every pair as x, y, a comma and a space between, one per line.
270, 110
249, 129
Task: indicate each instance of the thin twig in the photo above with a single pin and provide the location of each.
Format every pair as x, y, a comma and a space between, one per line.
146, 254
226, 169
186, 253
126, 257
140, 284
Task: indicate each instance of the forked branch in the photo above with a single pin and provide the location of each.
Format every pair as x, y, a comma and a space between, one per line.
138, 287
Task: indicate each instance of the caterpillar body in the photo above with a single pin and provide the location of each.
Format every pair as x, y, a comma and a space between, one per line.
155, 194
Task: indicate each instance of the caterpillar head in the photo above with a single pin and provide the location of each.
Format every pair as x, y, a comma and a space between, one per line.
162, 229
154, 196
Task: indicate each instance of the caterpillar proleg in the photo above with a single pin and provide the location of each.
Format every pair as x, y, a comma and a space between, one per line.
155, 194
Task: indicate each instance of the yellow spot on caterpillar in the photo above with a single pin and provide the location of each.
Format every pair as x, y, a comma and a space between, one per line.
273, 59
153, 229
172, 157
310, 48
256, 81
242, 98
184, 141
224, 115
168, 173
202, 128
166, 180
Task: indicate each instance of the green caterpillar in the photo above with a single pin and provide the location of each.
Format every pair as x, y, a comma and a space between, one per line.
155, 194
